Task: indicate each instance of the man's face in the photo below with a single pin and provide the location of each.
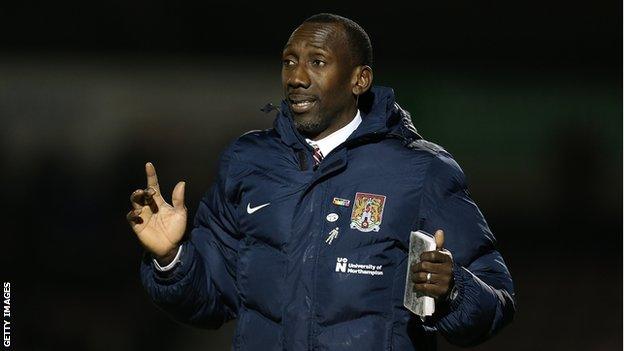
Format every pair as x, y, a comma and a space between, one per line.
316, 75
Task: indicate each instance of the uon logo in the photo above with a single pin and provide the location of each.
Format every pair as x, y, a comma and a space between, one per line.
341, 264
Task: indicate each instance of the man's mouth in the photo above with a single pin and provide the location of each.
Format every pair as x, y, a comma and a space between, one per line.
301, 103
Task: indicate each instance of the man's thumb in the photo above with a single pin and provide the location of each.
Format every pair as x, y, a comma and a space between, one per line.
177, 198
439, 239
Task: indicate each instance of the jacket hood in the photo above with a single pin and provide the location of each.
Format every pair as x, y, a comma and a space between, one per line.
381, 117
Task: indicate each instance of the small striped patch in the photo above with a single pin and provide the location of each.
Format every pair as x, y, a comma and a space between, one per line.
341, 202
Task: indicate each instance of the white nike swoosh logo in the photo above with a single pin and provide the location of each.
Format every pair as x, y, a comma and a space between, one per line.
251, 210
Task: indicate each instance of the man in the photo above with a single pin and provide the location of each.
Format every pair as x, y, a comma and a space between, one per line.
279, 242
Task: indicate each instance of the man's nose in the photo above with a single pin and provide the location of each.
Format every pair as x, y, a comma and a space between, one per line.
299, 78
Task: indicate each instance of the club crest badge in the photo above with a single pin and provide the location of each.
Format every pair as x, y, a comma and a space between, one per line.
367, 212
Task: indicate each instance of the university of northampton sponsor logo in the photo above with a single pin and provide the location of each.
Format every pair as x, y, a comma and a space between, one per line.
367, 212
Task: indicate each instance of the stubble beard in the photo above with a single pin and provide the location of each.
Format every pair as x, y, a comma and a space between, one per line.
312, 126
309, 128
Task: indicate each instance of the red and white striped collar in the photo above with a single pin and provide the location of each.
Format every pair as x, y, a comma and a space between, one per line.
328, 143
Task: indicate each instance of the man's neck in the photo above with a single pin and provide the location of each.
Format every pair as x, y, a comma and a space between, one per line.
340, 122
331, 141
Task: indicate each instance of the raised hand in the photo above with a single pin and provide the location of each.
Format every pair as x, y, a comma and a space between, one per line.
158, 225
434, 272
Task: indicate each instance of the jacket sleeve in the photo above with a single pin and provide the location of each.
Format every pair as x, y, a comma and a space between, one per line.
485, 301
201, 289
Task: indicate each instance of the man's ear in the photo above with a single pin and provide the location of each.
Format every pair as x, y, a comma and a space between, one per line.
363, 79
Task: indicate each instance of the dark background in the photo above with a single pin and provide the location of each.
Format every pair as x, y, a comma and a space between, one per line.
526, 95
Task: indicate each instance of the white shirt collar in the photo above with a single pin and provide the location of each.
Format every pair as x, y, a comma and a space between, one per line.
328, 143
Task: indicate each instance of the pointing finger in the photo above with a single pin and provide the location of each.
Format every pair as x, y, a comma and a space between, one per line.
439, 239
152, 178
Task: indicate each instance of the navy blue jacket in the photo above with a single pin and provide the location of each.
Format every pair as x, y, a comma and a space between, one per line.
275, 269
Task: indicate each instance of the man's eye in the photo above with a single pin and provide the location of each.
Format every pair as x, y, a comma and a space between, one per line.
319, 63
288, 63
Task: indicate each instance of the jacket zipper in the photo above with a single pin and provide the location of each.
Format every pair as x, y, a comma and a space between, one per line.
316, 241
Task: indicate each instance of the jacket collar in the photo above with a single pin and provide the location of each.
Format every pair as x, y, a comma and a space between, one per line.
381, 117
